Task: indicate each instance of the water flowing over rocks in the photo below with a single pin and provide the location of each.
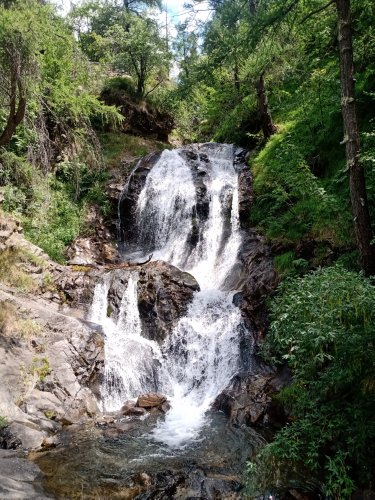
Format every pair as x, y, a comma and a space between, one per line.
188, 207
164, 293
130, 194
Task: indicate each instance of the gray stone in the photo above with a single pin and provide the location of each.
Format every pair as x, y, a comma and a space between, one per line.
19, 478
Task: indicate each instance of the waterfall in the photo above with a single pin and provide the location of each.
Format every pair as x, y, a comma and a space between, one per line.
201, 355
129, 357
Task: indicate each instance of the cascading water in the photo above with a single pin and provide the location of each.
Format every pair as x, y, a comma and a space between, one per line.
123, 341
202, 354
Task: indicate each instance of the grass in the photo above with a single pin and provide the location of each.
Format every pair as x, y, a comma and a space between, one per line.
41, 368
28, 328
11, 325
119, 146
11, 272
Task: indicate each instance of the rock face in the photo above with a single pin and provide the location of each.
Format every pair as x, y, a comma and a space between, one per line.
19, 478
257, 279
248, 399
98, 246
164, 294
51, 364
129, 197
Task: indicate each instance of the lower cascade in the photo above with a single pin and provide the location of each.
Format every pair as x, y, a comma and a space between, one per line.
186, 214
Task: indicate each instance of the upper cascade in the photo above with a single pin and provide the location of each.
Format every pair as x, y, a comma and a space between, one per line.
186, 211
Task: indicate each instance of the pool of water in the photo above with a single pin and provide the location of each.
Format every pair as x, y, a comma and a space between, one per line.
98, 463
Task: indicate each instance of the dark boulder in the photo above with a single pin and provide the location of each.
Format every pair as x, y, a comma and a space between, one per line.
164, 294
248, 399
257, 279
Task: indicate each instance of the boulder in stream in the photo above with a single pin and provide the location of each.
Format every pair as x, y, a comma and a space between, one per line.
151, 400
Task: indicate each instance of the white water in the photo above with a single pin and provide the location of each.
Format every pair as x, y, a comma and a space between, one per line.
201, 355
129, 357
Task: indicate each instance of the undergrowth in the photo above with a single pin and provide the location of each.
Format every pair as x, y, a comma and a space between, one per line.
322, 325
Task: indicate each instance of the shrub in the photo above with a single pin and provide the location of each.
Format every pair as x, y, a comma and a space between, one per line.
323, 326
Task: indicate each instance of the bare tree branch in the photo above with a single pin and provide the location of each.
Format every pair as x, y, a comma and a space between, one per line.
314, 12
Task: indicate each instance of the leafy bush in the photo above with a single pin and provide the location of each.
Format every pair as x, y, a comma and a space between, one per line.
323, 326
55, 227
121, 83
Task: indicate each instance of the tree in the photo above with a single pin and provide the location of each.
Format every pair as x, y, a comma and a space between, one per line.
362, 221
14, 81
18, 48
139, 50
134, 5
186, 50
268, 126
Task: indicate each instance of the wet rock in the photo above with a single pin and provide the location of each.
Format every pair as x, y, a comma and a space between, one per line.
245, 197
130, 409
104, 420
248, 400
151, 400
51, 442
256, 279
164, 294
135, 412
183, 484
165, 407
128, 405
129, 197
123, 427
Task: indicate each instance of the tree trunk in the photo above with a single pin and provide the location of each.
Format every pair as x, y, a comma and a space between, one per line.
362, 221
264, 112
236, 77
16, 111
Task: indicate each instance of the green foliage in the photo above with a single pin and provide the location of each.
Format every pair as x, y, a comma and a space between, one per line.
123, 83
323, 327
3, 423
55, 222
287, 263
40, 367
292, 202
